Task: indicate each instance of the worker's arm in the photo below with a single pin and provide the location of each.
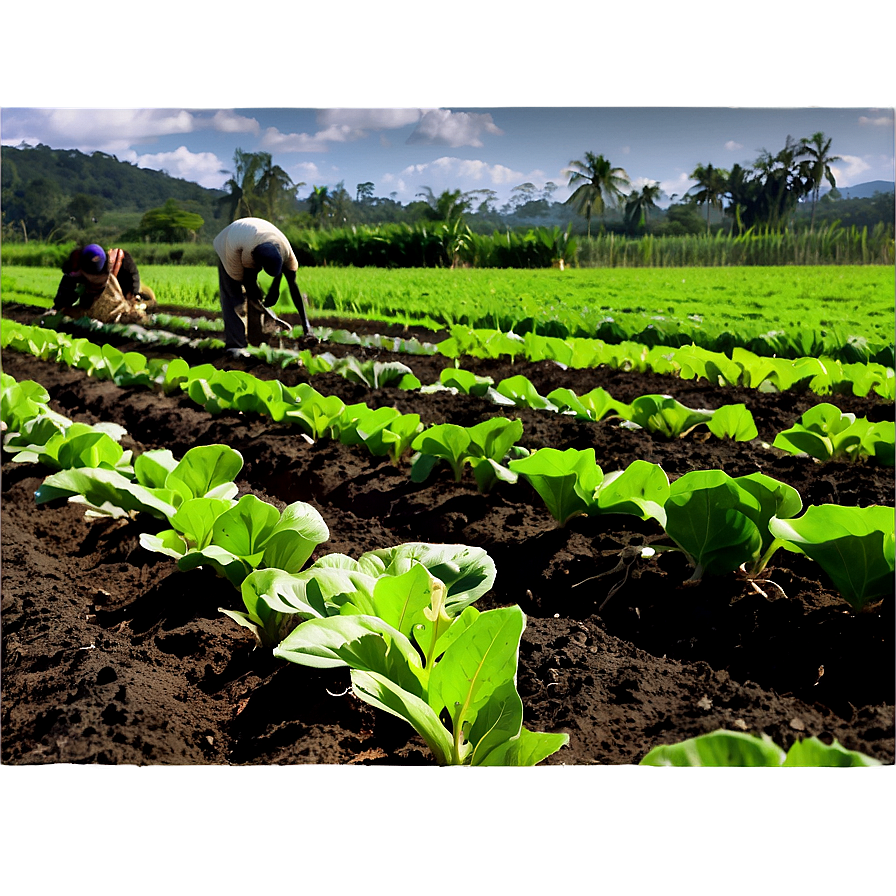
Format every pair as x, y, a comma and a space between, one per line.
296, 297
250, 282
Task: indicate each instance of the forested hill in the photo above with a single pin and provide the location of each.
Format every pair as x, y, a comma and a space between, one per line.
39, 182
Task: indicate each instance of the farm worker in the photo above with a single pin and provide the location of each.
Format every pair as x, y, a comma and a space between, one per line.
104, 285
244, 248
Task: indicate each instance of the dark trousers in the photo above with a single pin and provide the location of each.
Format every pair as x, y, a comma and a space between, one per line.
243, 316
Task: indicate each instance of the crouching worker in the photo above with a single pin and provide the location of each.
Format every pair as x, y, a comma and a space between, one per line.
103, 286
244, 248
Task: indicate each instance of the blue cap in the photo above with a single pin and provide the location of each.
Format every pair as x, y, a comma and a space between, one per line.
267, 255
92, 259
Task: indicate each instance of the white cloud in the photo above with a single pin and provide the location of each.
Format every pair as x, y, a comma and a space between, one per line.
732, 145
228, 122
204, 168
879, 121
107, 130
849, 170
638, 182
275, 139
442, 127
369, 119
677, 186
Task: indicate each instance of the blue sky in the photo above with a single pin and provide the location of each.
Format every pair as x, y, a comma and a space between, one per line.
475, 96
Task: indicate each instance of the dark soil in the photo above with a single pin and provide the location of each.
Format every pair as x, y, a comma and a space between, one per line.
112, 656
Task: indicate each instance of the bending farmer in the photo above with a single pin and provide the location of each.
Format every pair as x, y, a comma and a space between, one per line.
244, 248
104, 286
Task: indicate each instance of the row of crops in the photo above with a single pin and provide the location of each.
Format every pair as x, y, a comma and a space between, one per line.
790, 313
402, 619
823, 432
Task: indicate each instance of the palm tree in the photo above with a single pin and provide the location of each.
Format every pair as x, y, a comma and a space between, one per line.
243, 184
599, 185
711, 186
319, 204
638, 204
273, 186
449, 205
817, 148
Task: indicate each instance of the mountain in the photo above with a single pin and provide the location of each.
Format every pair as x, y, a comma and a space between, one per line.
865, 190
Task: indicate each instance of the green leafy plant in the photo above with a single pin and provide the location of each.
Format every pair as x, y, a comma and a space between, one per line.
735, 749
159, 485
853, 545
236, 538
487, 447
826, 433
663, 415
465, 381
733, 421
453, 679
376, 374
565, 480
79, 445
594, 405
722, 523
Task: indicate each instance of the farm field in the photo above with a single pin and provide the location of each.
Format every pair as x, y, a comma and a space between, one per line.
111, 655
650, 303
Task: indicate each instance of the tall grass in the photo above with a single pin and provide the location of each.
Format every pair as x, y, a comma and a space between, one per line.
830, 245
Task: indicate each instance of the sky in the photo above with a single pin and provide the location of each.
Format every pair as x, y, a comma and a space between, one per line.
403, 151
475, 97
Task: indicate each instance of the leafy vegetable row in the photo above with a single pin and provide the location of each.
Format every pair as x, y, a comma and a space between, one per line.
743, 368
409, 637
824, 432
820, 374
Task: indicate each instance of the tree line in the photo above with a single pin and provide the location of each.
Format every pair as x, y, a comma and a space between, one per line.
65, 195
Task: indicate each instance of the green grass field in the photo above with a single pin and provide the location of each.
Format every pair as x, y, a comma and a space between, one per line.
854, 299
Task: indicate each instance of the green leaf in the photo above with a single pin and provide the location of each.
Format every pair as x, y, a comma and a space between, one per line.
853, 545
727, 749
521, 392
494, 437
528, 749
152, 467
245, 528
814, 753
705, 517
497, 723
566, 480
364, 643
195, 519
465, 381
100, 486
204, 468
444, 441
482, 659
467, 572
298, 532
223, 562
379, 691
663, 415
641, 489
733, 421
166, 542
